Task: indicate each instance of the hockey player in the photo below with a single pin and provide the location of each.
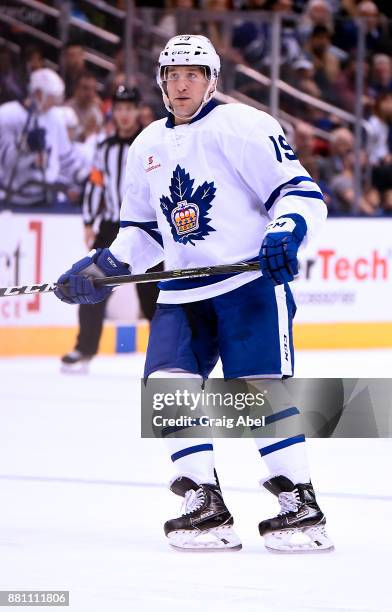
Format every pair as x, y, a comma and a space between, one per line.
212, 185
101, 215
34, 145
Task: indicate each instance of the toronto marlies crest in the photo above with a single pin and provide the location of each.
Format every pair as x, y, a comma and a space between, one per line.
186, 211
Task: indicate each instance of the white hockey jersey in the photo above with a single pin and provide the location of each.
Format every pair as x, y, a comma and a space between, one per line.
202, 193
60, 159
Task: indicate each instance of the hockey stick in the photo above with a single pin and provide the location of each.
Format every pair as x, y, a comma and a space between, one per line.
148, 277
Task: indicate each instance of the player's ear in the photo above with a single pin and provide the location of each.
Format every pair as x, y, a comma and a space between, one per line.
212, 89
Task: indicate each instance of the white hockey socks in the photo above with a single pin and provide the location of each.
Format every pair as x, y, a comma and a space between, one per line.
192, 457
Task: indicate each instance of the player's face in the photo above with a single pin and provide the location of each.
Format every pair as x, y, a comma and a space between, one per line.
125, 117
44, 101
186, 87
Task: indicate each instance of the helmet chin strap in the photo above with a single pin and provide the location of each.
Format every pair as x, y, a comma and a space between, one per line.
206, 98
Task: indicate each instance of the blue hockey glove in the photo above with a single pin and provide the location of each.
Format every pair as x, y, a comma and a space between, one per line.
278, 253
78, 282
36, 140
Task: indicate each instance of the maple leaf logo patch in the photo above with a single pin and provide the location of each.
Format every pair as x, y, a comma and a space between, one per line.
186, 211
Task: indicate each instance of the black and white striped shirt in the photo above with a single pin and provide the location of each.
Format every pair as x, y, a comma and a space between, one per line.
106, 184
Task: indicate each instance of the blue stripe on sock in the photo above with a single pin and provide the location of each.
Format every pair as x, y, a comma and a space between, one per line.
166, 431
190, 450
282, 444
277, 416
283, 414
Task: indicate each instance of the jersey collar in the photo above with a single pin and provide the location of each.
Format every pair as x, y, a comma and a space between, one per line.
204, 111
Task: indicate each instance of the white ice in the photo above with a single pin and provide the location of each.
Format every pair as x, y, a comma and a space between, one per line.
83, 500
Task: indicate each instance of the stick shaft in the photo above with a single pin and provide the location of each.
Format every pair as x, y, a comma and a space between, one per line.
148, 277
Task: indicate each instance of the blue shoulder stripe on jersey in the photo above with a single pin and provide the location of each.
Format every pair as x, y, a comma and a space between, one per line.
192, 283
276, 192
204, 111
305, 194
150, 227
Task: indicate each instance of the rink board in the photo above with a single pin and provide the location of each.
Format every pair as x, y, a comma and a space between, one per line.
343, 293
57, 340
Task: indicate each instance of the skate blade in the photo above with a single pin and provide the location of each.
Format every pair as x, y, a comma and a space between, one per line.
75, 368
217, 539
307, 540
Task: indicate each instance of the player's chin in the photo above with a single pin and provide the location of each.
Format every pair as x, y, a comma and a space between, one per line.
183, 108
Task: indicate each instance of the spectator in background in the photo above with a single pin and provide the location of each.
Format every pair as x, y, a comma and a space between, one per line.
325, 62
117, 75
378, 39
218, 33
304, 148
290, 48
381, 74
345, 34
380, 143
317, 13
11, 85
86, 149
146, 115
253, 40
343, 190
345, 86
87, 105
74, 65
342, 143
112, 83
34, 146
380, 148
303, 77
168, 23
34, 58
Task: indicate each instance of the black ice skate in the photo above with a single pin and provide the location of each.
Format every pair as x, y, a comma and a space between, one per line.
300, 526
206, 524
75, 362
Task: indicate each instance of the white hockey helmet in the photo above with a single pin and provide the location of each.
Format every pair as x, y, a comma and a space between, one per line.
49, 82
189, 50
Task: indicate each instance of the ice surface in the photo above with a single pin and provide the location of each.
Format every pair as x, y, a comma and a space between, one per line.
83, 500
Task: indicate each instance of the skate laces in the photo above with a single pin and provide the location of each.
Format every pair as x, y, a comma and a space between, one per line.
289, 501
193, 500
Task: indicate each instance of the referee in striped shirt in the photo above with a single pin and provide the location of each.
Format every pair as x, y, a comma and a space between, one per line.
101, 209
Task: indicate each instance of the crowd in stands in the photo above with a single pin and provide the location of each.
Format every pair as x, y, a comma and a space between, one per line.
318, 56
